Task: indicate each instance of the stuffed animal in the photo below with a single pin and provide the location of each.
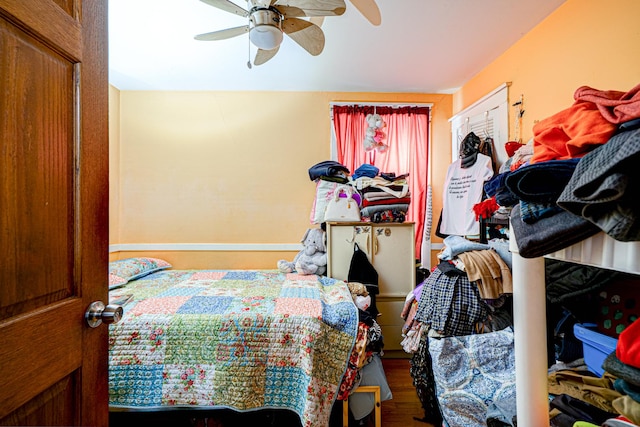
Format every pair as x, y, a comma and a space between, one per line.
360, 295
312, 259
374, 134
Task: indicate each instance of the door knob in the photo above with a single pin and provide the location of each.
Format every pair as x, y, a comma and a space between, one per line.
98, 313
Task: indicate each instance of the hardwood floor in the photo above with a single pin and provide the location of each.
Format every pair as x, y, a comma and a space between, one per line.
405, 405
400, 411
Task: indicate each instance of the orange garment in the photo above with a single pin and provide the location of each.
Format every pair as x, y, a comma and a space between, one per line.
570, 133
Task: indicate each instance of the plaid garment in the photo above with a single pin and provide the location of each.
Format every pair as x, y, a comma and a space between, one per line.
450, 304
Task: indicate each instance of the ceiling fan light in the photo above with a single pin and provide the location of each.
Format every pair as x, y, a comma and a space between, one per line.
266, 37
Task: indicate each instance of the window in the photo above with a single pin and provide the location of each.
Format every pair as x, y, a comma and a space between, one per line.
406, 133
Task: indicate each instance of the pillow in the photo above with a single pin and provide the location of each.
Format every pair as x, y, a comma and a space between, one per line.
116, 281
129, 269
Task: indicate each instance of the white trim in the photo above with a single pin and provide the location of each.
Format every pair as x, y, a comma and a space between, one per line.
216, 247
477, 106
491, 107
213, 247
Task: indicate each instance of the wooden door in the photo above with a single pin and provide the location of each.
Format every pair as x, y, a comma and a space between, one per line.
53, 211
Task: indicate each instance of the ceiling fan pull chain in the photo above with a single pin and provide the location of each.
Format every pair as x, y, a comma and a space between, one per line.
249, 61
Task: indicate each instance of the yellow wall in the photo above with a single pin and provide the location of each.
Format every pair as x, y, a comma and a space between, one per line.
584, 42
230, 168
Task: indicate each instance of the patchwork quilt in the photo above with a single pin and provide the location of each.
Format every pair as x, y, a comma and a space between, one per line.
232, 339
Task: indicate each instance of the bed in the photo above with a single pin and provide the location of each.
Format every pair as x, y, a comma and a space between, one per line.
241, 340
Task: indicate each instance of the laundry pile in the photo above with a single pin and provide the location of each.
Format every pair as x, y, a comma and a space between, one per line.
385, 196
380, 196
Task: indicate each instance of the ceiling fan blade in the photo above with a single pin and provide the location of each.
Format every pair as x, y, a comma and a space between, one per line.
263, 56
228, 6
291, 11
314, 7
307, 34
369, 9
223, 34
318, 20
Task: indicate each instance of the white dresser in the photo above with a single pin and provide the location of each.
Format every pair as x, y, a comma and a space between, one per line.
390, 248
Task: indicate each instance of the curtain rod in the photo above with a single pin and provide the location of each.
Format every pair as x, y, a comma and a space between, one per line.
383, 104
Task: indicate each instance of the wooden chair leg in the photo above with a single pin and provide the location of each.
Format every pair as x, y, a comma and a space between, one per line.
377, 407
345, 413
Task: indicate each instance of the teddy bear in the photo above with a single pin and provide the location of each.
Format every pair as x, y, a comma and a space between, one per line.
374, 134
360, 295
312, 259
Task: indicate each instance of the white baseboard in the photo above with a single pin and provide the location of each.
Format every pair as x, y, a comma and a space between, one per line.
211, 247
216, 247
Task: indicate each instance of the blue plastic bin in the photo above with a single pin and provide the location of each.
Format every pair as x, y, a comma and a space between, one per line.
596, 346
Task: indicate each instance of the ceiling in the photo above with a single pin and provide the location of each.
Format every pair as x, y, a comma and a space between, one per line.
420, 46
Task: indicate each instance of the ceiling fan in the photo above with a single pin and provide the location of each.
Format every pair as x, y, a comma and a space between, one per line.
368, 8
269, 19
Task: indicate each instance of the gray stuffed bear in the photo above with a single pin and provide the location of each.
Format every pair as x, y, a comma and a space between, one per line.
312, 259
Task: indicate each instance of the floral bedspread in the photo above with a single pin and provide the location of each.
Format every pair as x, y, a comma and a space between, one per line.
232, 339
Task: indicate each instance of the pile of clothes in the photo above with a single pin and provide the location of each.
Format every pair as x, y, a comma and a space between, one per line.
610, 400
385, 196
381, 197
574, 178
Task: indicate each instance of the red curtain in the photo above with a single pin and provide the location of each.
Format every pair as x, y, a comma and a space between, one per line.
406, 135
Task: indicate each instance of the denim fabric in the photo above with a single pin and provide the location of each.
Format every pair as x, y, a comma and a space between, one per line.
367, 170
454, 245
532, 212
541, 182
492, 186
327, 168
504, 197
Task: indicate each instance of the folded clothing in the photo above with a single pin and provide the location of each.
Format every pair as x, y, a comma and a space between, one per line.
628, 346
327, 168
368, 211
614, 366
580, 410
549, 234
600, 189
541, 182
386, 201
615, 106
570, 133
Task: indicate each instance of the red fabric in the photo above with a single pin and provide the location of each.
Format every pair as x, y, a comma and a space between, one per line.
570, 133
407, 135
511, 147
615, 106
387, 201
485, 208
628, 347
516, 165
